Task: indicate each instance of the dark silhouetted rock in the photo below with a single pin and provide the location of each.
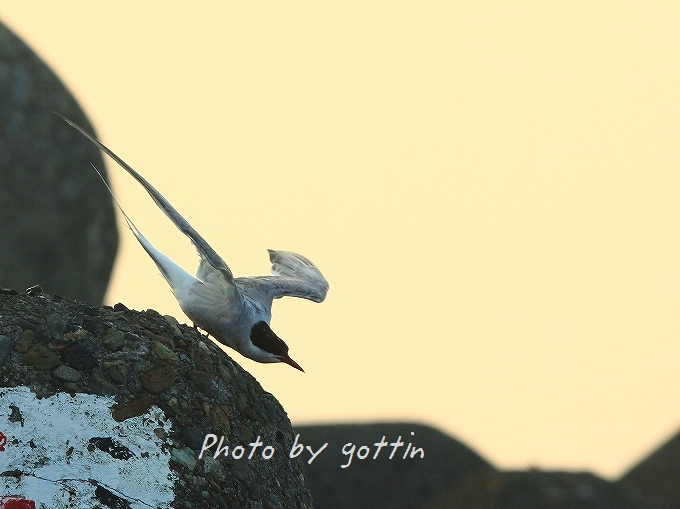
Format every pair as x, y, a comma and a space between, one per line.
535, 489
382, 482
656, 478
450, 476
129, 423
57, 220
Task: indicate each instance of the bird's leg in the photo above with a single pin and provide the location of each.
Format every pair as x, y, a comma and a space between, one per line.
207, 334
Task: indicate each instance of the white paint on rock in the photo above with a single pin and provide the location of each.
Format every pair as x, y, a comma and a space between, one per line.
59, 470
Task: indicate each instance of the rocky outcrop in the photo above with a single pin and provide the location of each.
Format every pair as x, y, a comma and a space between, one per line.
449, 475
536, 489
398, 477
657, 477
102, 407
57, 223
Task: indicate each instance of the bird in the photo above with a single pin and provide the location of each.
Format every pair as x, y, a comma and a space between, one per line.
234, 310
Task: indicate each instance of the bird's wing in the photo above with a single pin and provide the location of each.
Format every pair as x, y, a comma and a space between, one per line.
176, 276
201, 301
210, 260
294, 276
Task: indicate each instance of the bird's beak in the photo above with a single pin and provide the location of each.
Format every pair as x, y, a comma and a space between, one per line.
291, 362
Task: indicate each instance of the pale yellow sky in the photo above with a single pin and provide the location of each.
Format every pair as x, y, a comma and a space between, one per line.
491, 190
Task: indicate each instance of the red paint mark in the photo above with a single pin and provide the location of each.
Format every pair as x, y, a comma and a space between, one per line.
3, 441
14, 502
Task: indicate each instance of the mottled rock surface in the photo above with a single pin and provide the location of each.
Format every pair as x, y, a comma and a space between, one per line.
144, 361
58, 224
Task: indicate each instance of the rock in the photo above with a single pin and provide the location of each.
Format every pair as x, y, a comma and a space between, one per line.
115, 375
383, 482
240, 469
98, 383
174, 324
113, 339
79, 357
66, 374
34, 290
76, 336
224, 373
156, 426
201, 380
25, 341
193, 438
656, 478
158, 379
164, 353
534, 489
41, 358
55, 325
219, 416
58, 224
142, 366
134, 408
5, 348
450, 475
185, 457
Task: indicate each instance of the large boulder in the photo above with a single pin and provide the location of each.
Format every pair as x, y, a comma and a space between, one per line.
57, 222
449, 475
657, 477
108, 407
408, 479
536, 489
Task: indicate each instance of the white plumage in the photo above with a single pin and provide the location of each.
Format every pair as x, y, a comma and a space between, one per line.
236, 311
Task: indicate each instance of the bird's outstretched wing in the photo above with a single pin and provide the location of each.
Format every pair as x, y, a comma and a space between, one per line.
294, 276
209, 258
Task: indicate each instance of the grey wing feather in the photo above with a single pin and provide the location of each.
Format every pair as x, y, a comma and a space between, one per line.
206, 252
294, 276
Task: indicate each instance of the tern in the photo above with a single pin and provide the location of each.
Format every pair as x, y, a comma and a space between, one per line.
234, 310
